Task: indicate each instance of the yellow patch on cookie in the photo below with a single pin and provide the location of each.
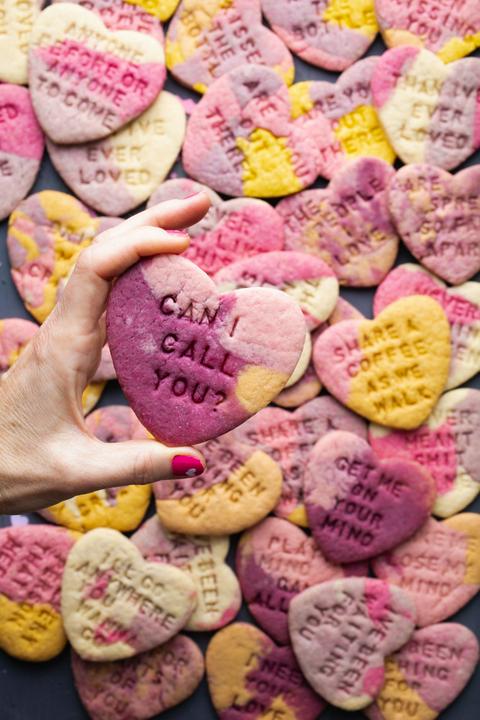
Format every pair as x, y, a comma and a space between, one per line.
161, 9
256, 385
469, 525
91, 395
398, 700
268, 169
246, 497
457, 48
300, 100
30, 632
360, 134
358, 15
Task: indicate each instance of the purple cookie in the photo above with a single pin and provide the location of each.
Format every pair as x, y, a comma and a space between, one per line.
194, 363
359, 506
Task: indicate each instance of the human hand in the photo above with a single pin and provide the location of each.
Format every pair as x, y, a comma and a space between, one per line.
47, 454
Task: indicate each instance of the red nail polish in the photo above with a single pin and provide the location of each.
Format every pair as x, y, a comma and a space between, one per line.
187, 466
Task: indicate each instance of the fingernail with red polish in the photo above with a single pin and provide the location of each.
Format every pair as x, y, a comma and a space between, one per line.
187, 466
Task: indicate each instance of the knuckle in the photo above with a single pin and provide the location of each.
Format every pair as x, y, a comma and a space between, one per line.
143, 468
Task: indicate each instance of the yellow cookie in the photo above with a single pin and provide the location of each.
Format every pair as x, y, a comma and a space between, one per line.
16, 23
393, 369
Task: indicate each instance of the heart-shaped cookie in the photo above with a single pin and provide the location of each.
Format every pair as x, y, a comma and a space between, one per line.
275, 561
21, 146
141, 16
16, 26
445, 445
241, 139
182, 350
391, 370
250, 677
203, 558
239, 488
32, 559
451, 29
341, 633
341, 118
208, 38
331, 34
139, 687
46, 234
114, 604
121, 508
460, 304
347, 224
427, 674
116, 174
288, 438
439, 566
359, 506
307, 280
429, 110
86, 81
436, 214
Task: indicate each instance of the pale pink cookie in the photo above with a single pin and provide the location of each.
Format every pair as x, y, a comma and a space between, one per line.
359, 506
307, 280
462, 309
449, 29
115, 174
140, 687
182, 350
105, 369
241, 139
341, 118
121, 508
348, 224
32, 560
203, 558
428, 110
21, 146
141, 16
288, 438
275, 561
87, 81
390, 370
331, 34
15, 334
46, 234
240, 486
341, 633
427, 674
439, 566
250, 677
208, 38
114, 604
445, 445
437, 216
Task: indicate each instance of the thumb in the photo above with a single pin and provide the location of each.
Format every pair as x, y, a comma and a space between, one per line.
135, 463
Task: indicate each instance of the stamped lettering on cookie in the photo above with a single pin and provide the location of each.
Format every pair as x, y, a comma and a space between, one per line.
393, 369
341, 633
142, 16
16, 23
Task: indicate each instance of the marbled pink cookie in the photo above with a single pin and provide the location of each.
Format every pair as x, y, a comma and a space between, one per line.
288, 438
307, 279
21, 146
462, 308
428, 109
204, 558
347, 224
87, 81
438, 217
427, 674
275, 561
445, 445
359, 506
241, 139
341, 633
139, 688
138, 15
15, 334
194, 363
181, 188
449, 28
105, 369
341, 118
208, 38
326, 33
439, 566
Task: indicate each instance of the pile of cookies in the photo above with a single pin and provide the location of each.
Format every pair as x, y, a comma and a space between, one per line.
342, 448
